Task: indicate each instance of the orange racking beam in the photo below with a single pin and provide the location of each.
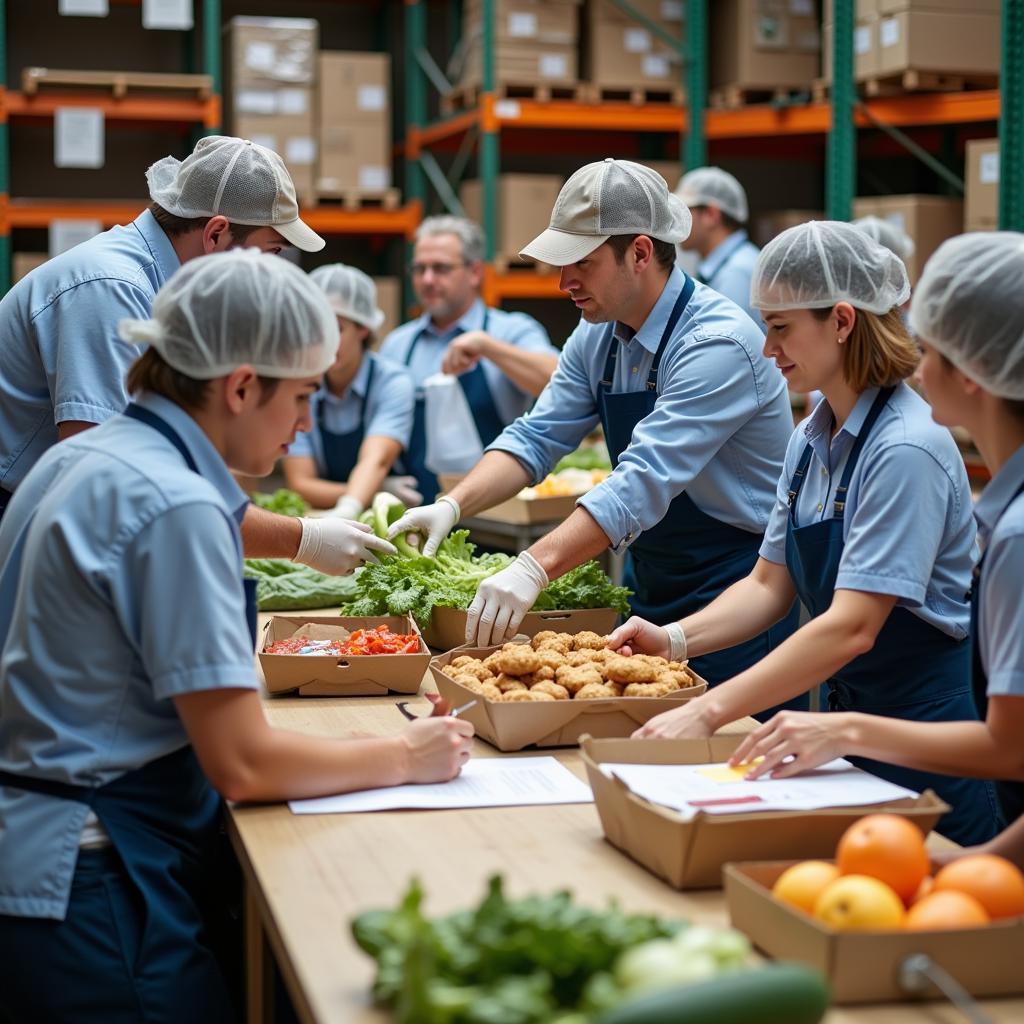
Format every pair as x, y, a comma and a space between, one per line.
521, 285
38, 213
332, 220
128, 108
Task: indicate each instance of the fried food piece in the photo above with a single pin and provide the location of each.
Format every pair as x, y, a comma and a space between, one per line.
574, 678
521, 660
592, 691
630, 670
675, 679
577, 658
550, 658
489, 663
472, 667
543, 637
647, 689
678, 666
588, 641
601, 656
489, 691
547, 686
561, 642
463, 659
506, 683
514, 696
616, 687
544, 672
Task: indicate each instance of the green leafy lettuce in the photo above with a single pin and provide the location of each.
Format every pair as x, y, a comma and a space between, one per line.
282, 501
287, 586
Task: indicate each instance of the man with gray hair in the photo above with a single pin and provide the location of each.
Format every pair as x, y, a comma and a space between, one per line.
502, 360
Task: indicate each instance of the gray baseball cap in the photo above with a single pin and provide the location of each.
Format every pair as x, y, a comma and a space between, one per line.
610, 197
711, 186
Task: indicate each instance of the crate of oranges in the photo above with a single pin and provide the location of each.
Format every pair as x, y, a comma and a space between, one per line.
857, 918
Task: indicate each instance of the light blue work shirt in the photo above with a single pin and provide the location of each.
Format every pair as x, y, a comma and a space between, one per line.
729, 268
60, 356
120, 588
513, 328
1001, 615
907, 525
718, 430
389, 409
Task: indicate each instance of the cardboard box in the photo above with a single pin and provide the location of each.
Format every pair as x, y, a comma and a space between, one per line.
558, 723
865, 49
981, 194
956, 6
864, 967
519, 510
25, 262
928, 220
293, 137
447, 628
941, 42
356, 155
524, 204
389, 301
767, 225
268, 52
622, 55
545, 65
689, 854
354, 87
359, 675
528, 21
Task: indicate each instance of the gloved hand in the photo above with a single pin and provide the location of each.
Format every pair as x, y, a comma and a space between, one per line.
336, 546
503, 599
347, 507
433, 521
404, 489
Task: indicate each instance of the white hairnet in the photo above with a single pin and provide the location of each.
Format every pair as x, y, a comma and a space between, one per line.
888, 234
222, 310
711, 186
817, 264
969, 304
351, 293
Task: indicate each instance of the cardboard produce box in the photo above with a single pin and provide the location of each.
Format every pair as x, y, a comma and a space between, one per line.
981, 193
559, 723
353, 676
864, 967
520, 510
689, 854
941, 42
525, 202
928, 220
447, 628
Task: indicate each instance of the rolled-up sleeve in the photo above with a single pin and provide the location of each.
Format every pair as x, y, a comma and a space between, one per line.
708, 394
1002, 615
391, 405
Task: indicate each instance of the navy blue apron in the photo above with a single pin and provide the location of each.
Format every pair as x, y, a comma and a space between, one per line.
5, 500
1011, 794
488, 421
341, 451
686, 560
914, 671
163, 820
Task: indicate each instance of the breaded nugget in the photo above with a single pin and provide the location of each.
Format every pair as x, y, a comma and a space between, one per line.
617, 688
676, 680
599, 657
678, 666
547, 686
506, 683
588, 641
489, 691
575, 678
550, 658
592, 691
647, 689
542, 637
544, 672
630, 670
577, 658
472, 667
466, 680
514, 696
561, 642
462, 659
489, 662
520, 660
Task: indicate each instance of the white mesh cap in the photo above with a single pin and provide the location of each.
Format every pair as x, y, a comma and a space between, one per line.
817, 264
887, 234
610, 197
711, 186
350, 292
224, 310
233, 178
969, 304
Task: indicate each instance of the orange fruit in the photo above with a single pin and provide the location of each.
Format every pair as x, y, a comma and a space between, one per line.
946, 909
886, 847
993, 881
922, 890
801, 884
859, 903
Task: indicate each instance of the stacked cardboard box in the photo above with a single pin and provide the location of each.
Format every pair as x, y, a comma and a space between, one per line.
981, 195
535, 43
389, 300
767, 225
25, 262
764, 44
928, 220
355, 123
272, 90
622, 53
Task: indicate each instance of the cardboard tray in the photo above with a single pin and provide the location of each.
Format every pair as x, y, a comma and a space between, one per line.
518, 510
447, 627
864, 967
551, 723
362, 675
689, 854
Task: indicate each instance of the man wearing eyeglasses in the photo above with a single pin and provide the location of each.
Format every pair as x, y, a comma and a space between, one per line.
502, 360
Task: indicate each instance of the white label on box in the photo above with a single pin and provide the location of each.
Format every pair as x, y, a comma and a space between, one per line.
553, 65
256, 101
300, 151
897, 220
66, 234
265, 139
655, 66
862, 39
375, 177
522, 24
672, 10
636, 40
84, 8
259, 56
371, 97
889, 32
291, 101
508, 109
78, 137
988, 168
802, 8
173, 14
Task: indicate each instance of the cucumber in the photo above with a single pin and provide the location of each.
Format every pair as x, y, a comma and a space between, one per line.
773, 994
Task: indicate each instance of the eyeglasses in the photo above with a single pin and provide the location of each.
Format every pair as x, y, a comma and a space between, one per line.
437, 269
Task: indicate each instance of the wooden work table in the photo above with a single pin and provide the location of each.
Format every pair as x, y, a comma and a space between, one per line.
307, 876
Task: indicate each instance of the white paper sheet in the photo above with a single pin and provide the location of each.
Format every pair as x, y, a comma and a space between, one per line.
78, 137
66, 234
718, 789
484, 782
164, 14
87, 8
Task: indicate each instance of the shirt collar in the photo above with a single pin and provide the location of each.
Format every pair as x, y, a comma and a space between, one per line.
819, 423
651, 330
471, 320
159, 244
358, 385
999, 493
209, 462
719, 255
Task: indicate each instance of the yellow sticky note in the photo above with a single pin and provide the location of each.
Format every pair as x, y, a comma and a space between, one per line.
723, 773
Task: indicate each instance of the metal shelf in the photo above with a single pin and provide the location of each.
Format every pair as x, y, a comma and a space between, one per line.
20, 106
522, 284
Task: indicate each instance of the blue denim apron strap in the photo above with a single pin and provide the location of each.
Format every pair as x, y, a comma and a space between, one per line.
341, 450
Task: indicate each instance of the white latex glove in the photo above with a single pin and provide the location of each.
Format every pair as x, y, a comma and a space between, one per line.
347, 507
404, 489
433, 521
336, 546
503, 599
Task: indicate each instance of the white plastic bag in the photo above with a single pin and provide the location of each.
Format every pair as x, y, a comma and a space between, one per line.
453, 442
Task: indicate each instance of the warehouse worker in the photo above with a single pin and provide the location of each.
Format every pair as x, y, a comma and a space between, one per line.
62, 367
502, 360
718, 204
362, 413
968, 315
695, 417
872, 528
129, 702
